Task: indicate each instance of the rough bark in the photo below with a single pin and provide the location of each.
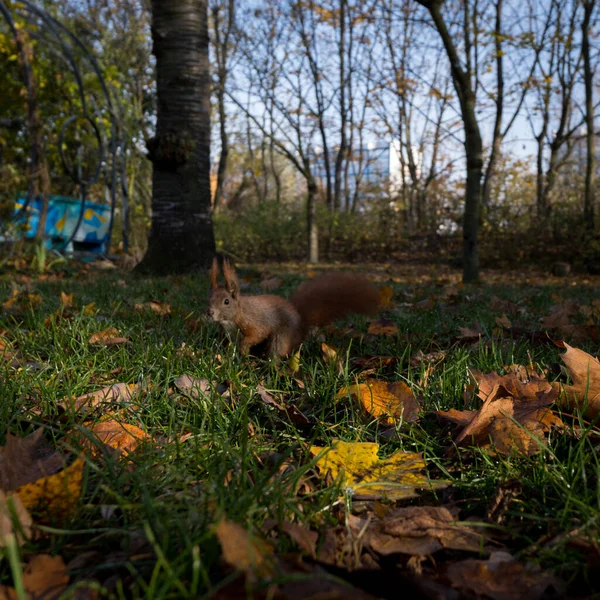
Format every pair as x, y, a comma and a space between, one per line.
181, 237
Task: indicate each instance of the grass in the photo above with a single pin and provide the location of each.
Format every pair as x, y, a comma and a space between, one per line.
144, 527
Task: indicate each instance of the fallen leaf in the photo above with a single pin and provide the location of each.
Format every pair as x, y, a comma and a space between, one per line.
365, 475
12, 508
505, 306
390, 402
242, 551
501, 578
503, 322
457, 417
330, 356
108, 337
383, 327
89, 310
416, 531
55, 495
584, 370
123, 437
473, 332
111, 394
386, 294
304, 538
45, 577
193, 386
24, 460
20, 302
160, 308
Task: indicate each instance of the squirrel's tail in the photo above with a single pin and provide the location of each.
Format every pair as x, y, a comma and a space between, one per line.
332, 296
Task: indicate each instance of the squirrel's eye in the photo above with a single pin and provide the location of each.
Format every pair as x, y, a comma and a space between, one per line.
226, 300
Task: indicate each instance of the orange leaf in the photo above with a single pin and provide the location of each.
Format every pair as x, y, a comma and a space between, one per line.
108, 337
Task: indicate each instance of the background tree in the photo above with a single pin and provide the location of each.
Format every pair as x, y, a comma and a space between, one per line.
181, 236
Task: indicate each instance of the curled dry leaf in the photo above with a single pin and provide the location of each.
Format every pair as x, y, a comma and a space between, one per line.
584, 370
66, 300
117, 392
108, 337
509, 421
365, 475
416, 531
391, 402
372, 361
501, 577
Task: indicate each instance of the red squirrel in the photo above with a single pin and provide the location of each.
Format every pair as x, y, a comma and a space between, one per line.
284, 324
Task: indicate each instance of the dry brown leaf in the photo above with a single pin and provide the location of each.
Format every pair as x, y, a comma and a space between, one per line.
45, 577
11, 504
117, 392
457, 417
584, 370
24, 460
160, 308
371, 361
383, 327
519, 383
501, 578
242, 551
20, 302
416, 531
108, 337
330, 356
503, 322
475, 331
305, 539
505, 306
193, 386
390, 402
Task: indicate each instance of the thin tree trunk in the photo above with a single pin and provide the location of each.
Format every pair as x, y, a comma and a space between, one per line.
588, 202
181, 237
473, 144
311, 223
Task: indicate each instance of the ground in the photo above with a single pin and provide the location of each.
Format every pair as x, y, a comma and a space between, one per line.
205, 472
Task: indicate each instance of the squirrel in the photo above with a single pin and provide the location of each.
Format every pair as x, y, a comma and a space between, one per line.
284, 324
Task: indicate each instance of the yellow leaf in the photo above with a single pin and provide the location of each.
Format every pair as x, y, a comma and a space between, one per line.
392, 402
386, 293
89, 310
359, 470
57, 494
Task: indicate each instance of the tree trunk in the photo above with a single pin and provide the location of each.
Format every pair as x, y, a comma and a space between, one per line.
311, 223
181, 237
588, 202
473, 144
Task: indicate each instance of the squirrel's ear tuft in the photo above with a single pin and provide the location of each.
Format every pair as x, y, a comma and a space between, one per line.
214, 273
231, 280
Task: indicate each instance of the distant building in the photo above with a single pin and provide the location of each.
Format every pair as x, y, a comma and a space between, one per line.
376, 166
